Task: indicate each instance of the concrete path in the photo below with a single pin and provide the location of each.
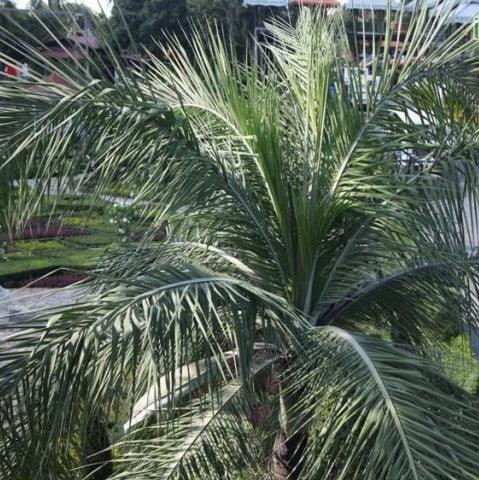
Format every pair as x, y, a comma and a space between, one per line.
20, 304
17, 303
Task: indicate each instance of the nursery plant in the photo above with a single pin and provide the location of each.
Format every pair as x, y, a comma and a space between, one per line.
319, 243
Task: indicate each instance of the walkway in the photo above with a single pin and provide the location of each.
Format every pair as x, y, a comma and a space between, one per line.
21, 303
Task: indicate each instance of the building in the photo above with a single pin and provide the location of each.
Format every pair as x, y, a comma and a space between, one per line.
460, 11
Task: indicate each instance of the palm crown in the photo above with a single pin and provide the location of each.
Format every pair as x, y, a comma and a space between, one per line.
286, 324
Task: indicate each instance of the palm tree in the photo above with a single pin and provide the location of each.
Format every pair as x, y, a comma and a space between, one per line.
289, 323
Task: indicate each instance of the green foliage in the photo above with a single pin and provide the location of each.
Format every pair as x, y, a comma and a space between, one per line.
124, 218
32, 246
459, 363
84, 222
396, 389
143, 21
71, 206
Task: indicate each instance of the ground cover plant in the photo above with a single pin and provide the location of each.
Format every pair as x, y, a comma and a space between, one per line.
316, 255
74, 239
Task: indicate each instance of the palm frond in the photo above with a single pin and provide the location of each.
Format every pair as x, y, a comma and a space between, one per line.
377, 411
211, 439
122, 343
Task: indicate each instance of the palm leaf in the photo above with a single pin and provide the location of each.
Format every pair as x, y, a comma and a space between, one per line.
380, 412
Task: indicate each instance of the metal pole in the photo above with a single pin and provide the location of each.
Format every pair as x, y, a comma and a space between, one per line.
255, 46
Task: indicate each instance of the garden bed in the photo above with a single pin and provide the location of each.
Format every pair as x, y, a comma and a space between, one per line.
45, 280
58, 251
43, 227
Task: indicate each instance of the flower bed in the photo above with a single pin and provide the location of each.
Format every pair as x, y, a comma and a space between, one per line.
39, 228
51, 281
58, 251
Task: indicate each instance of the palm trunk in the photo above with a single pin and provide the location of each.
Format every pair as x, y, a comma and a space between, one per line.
287, 459
288, 449
97, 450
279, 462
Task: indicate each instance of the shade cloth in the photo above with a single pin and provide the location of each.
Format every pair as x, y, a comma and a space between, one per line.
418, 4
465, 13
370, 4
442, 8
318, 3
267, 3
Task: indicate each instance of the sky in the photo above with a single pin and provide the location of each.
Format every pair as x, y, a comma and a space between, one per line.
93, 4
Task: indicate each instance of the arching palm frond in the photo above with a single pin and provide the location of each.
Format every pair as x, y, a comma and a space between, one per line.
383, 411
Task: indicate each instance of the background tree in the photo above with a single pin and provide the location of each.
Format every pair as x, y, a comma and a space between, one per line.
143, 21
232, 18
19, 27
